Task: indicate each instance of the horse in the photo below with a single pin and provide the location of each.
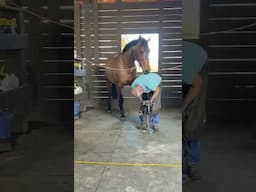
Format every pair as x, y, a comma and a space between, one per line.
121, 70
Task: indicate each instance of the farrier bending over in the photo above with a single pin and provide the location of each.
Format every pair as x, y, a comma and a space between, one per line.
147, 87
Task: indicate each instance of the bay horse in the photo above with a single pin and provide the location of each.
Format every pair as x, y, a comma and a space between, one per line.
121, 70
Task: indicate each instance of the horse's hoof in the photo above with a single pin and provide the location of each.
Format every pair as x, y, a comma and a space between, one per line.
123, 119
109, 111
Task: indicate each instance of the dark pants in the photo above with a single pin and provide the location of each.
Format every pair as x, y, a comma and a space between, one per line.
191, 148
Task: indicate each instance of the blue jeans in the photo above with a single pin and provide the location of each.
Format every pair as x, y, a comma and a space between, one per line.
155, 119
191, 152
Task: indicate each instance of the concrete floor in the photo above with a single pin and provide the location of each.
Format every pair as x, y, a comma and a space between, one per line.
102, 137
228, 159
41, 161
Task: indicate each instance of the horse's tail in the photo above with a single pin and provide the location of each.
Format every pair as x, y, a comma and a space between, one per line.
114, 91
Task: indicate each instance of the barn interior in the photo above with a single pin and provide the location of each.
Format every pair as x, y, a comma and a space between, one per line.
129, 155
40, 154
228, 140
37, 144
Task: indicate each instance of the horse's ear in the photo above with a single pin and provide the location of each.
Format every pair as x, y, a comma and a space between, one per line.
140, 37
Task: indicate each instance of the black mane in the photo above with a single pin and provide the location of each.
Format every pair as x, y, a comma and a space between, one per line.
130, 44
142, 42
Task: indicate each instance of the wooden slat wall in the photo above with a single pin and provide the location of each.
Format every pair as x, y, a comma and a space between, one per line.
50, 57
232, 60
109, 21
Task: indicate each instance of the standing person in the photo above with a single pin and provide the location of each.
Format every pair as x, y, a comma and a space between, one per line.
147, 86
194, 82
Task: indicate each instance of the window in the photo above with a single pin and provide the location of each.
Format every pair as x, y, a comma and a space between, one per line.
153, 46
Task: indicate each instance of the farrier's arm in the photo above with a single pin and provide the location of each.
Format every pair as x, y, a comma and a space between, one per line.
194, 90
156, 92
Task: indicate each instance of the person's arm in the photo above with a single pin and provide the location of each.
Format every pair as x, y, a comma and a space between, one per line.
194, 90
153, 84
156, 92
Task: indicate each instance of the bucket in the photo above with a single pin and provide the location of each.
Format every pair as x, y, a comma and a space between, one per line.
76, 108
5, 124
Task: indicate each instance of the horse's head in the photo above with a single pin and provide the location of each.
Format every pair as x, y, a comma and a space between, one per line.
141, 54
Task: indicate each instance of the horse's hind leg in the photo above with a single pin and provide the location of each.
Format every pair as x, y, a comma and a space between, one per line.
121, 102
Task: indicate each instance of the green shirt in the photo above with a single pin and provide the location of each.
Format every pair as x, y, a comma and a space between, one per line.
193, 60
149, 82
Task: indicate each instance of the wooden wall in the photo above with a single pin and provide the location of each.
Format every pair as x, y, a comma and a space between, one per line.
50, 58
232, 58
100, 36
232, 81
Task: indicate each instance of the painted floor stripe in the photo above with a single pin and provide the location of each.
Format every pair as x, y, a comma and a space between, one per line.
171, 165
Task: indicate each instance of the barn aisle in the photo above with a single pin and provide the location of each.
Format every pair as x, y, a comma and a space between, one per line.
102, 138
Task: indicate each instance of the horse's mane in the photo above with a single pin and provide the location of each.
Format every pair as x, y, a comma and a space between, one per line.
143, 42
130, 44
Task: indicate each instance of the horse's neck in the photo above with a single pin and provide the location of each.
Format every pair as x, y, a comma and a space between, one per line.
129, 57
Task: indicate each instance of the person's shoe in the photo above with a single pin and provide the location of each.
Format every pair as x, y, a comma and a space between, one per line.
194, 173
156, 128
151, 130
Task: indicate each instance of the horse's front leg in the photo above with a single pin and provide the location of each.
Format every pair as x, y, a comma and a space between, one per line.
121, 102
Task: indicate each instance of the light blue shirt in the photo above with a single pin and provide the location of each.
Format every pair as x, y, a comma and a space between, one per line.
193, 60
149, 82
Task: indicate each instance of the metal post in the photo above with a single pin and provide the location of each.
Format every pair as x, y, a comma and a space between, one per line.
86, 28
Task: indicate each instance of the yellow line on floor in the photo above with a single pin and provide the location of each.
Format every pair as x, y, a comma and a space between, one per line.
171, 165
